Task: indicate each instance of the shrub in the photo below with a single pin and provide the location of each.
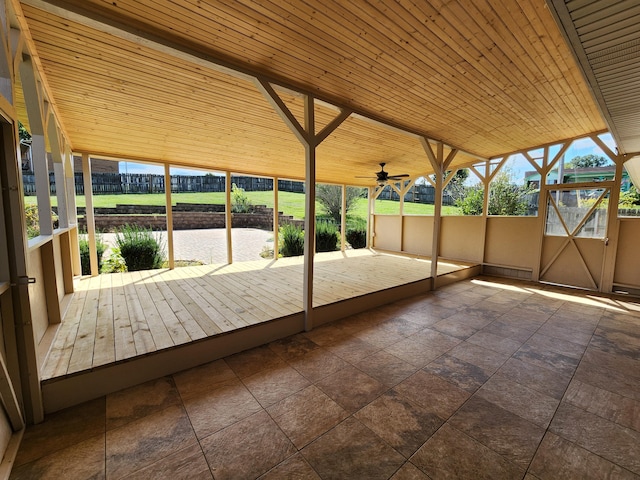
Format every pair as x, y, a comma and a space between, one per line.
85, 255
291, 241
140, 248
31, 218
356, 233
326, 237
114, 262
240, 203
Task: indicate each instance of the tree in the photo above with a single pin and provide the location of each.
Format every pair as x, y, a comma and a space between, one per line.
330, 197
505, 197
587, 161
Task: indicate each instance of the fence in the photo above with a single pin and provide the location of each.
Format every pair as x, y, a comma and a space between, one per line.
117, 183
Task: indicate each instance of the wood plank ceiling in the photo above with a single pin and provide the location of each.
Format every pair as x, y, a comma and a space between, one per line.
485, 76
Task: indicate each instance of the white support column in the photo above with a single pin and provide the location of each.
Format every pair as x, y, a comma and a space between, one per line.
343, 220
35, 111
309, 213
228, 217
89, 214
276, 218
70, 180
310, 140
58, 170
370, 216
169, 210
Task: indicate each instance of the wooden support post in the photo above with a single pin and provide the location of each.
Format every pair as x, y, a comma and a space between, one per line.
89, 215
343, 220
370, 216
309, 213
437, 215
613, 231
169, 211
276, 219
228, 217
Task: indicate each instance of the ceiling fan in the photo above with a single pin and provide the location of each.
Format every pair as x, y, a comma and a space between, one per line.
383, 177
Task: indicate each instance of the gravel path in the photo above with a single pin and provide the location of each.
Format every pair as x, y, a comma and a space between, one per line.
209, 245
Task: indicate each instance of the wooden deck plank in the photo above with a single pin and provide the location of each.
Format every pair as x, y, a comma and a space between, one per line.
157, 328
82, 354
139, 327
57, 362
123, 333
220, 323
104, 348
175, 328
157, 309
180, 310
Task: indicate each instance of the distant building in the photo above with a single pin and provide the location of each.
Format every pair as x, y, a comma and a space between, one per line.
579, 175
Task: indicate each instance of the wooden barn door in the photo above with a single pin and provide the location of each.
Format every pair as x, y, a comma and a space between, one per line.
575, 235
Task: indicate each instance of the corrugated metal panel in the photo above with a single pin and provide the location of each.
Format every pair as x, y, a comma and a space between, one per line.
608, 36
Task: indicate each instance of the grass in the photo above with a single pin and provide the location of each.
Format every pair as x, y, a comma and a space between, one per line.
288, 202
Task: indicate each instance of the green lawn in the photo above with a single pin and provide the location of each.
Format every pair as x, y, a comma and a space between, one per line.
289, 203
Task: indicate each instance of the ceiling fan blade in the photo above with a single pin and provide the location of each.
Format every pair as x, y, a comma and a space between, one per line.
398, 177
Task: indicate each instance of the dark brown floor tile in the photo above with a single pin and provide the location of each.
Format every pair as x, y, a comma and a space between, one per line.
544, 358
293, 347
409, 472
318, 364
610, 379
495, 342
473, 318
136, 402
247, 449
630, 366
567, 334
617, 341
621, 410
401, 326
351, 389
432, 392
326, 335
186, 464
465, 375
529, 404
509, 331
203, 378
613, 442
452, 327
511, 436
428, 315
450, 453
294, 467
147, 440
537, 378
62, 429
386, 368
413, 351
402, 424
219, 408
435, 340
558, 458
306, 415
84, 459
352, 349
564, 347
274, 384
488, 360
379, 336
352, 451
252, 361
574, 321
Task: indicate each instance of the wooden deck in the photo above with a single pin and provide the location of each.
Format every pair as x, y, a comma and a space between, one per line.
117, 317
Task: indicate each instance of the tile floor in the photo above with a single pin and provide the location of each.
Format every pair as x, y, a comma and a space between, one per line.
482, 379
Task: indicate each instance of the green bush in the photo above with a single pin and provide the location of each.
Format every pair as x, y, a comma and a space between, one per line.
85, 256
114, 262
291, 243
356, 234
326, 237
140, 248
240, 202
